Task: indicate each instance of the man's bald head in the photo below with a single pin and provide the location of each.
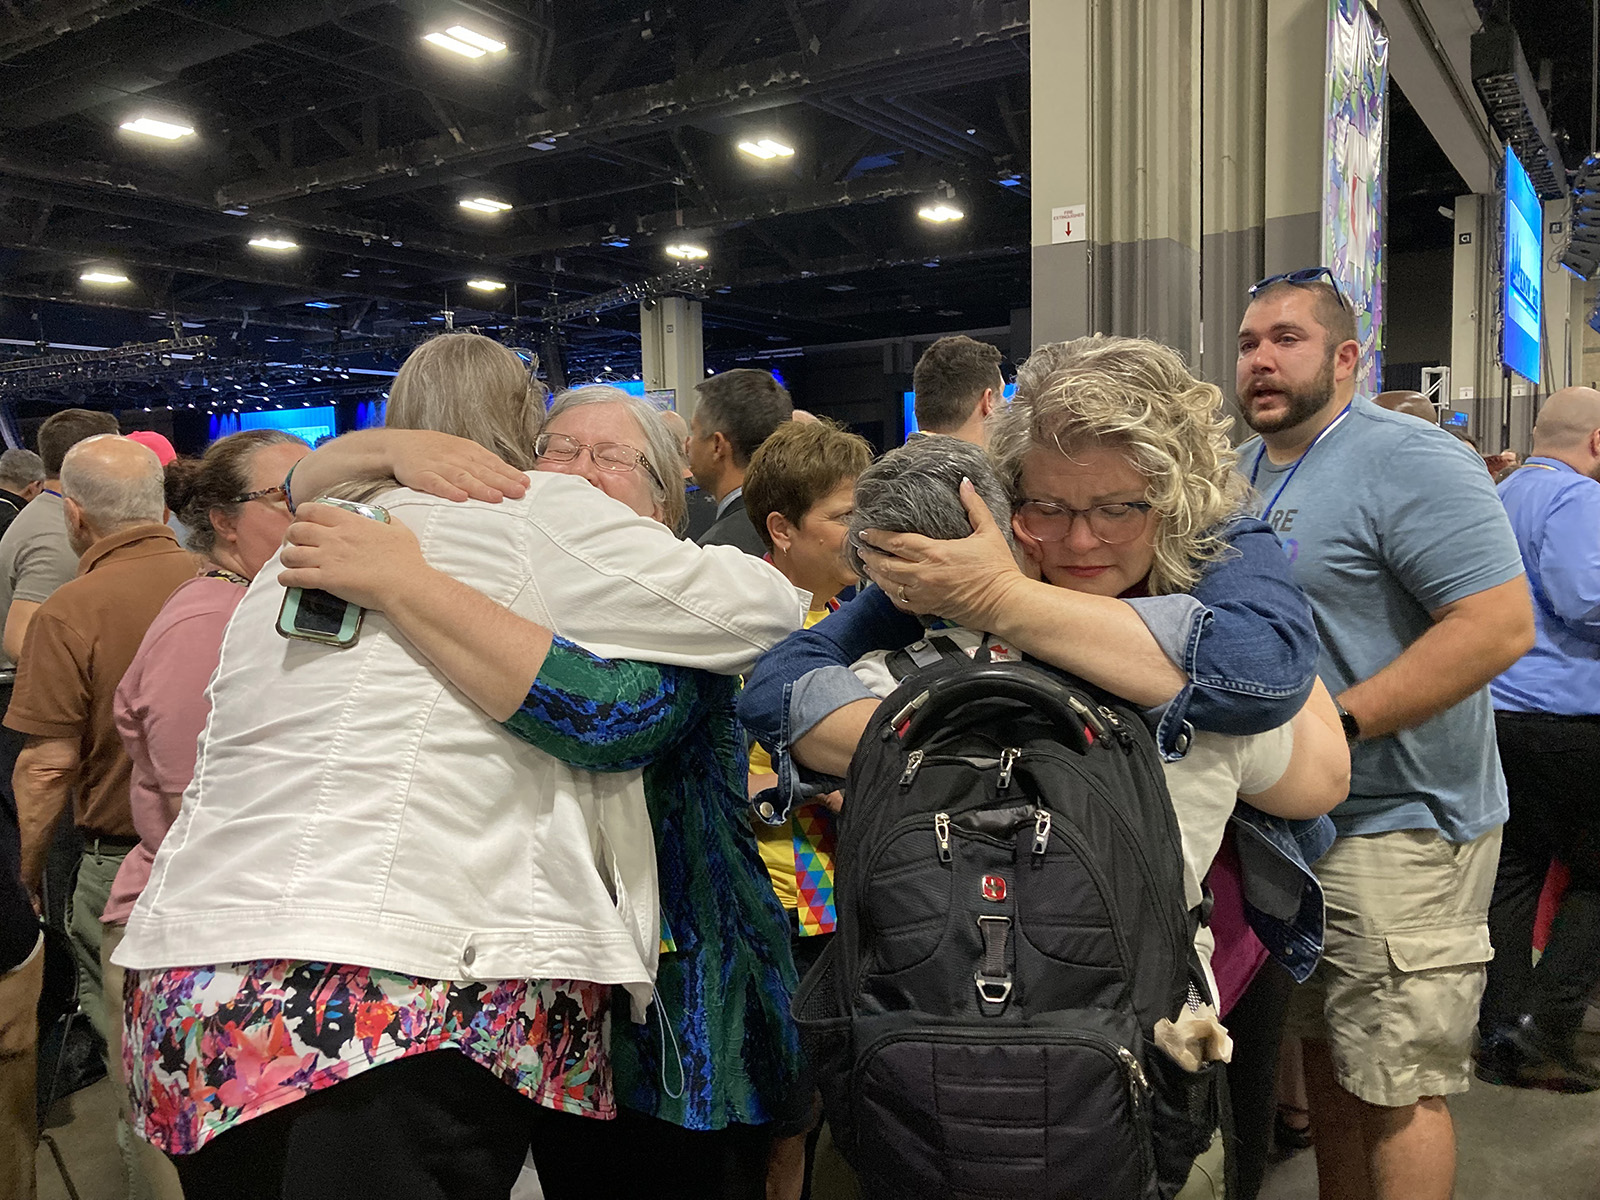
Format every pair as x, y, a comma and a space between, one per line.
109, 483
1567, 420
1413, 404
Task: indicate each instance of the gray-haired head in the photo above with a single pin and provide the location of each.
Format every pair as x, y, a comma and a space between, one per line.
661, 446
114, 482
19, 469
917, 489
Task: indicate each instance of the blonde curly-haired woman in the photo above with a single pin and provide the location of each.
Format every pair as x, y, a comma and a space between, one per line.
1139, 574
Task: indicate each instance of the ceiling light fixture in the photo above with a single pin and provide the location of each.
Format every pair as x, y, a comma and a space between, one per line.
688, 252
458, 39
477, 40
273, 243
103, 277
486, 285
445, 42
165, 130
483, 204
766, 148
940, 213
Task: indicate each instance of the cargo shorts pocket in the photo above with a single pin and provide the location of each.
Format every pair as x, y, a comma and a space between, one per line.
1443, 946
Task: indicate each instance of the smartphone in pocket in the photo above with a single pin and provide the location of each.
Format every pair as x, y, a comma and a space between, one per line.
313, 615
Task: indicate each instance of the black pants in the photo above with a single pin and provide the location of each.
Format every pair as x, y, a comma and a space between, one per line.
1552, 769
636, 1157
1256, 1023
431, 1127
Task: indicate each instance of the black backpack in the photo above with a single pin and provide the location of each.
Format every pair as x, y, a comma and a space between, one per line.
1011, 925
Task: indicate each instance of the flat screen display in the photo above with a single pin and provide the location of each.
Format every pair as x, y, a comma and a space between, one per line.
1524, 273
308, 424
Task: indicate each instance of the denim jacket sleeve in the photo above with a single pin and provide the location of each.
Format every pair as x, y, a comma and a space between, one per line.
807, 676
1244, 637
1283, 900
869, 622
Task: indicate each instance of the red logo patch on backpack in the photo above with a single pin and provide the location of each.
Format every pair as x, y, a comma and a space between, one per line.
994, 888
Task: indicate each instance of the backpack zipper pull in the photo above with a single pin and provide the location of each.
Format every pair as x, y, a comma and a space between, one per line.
1087, 713
941, 831
1008, 759
913, 765
1138, 1084
1041, 832
1117, 726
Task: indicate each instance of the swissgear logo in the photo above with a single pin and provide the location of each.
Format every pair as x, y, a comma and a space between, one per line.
994, 888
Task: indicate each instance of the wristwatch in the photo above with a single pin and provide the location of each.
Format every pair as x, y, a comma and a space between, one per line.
1352, 727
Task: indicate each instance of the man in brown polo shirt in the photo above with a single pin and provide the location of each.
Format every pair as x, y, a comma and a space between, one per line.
78, 645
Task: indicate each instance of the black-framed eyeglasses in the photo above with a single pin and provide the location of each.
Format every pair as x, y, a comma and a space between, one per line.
275, 492
608, 456
1304, 276
1113, 524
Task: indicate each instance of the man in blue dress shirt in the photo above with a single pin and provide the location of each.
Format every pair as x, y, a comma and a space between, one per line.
1547, 721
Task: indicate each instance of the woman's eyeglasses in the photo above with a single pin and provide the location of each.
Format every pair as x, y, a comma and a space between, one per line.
1113, 524
608, 456
274, 494
1307, 275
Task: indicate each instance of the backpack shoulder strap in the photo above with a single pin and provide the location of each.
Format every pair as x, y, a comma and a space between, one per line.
933, 649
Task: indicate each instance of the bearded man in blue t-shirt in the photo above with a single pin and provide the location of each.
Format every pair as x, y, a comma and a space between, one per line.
1397, 537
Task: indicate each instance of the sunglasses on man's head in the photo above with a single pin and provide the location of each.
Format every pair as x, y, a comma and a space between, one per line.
1307, 275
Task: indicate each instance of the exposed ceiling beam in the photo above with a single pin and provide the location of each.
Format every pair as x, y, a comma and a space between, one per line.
116, 62
94, 188
868, 189
80, 251
854, 264
186, 309
856, 63
61, 19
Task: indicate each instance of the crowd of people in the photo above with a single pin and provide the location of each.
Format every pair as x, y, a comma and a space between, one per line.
527, 867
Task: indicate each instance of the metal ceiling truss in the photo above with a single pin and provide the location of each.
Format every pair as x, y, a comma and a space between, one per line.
96, 365
689, 281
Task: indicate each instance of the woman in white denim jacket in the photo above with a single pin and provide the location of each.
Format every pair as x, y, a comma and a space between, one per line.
370, 872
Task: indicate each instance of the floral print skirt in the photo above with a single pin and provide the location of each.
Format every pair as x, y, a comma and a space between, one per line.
209, 1047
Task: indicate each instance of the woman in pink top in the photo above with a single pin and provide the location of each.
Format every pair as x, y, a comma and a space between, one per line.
231, 502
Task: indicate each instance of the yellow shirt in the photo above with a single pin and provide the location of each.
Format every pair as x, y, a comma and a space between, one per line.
776, 842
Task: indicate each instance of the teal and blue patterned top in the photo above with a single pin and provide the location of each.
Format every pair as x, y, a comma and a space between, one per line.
719, 1046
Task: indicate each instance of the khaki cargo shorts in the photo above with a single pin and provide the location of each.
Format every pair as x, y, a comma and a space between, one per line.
1396, 993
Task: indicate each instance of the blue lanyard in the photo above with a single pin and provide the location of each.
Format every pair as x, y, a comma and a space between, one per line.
50, 492
1266, 512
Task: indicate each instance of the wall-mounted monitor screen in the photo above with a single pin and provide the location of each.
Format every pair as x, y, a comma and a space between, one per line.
309, 424
1524, 273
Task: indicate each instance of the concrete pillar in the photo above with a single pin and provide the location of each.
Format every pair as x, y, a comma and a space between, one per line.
1474, 373
1116, 156
1233, 171
672, 349
1061, 118
1296, 70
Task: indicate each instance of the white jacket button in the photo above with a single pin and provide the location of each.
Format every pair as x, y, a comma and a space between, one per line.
468, 955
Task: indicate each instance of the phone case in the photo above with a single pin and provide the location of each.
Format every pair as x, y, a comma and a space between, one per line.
289, 616
309, 615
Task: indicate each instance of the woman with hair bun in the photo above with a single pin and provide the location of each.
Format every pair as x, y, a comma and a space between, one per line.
229, 503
